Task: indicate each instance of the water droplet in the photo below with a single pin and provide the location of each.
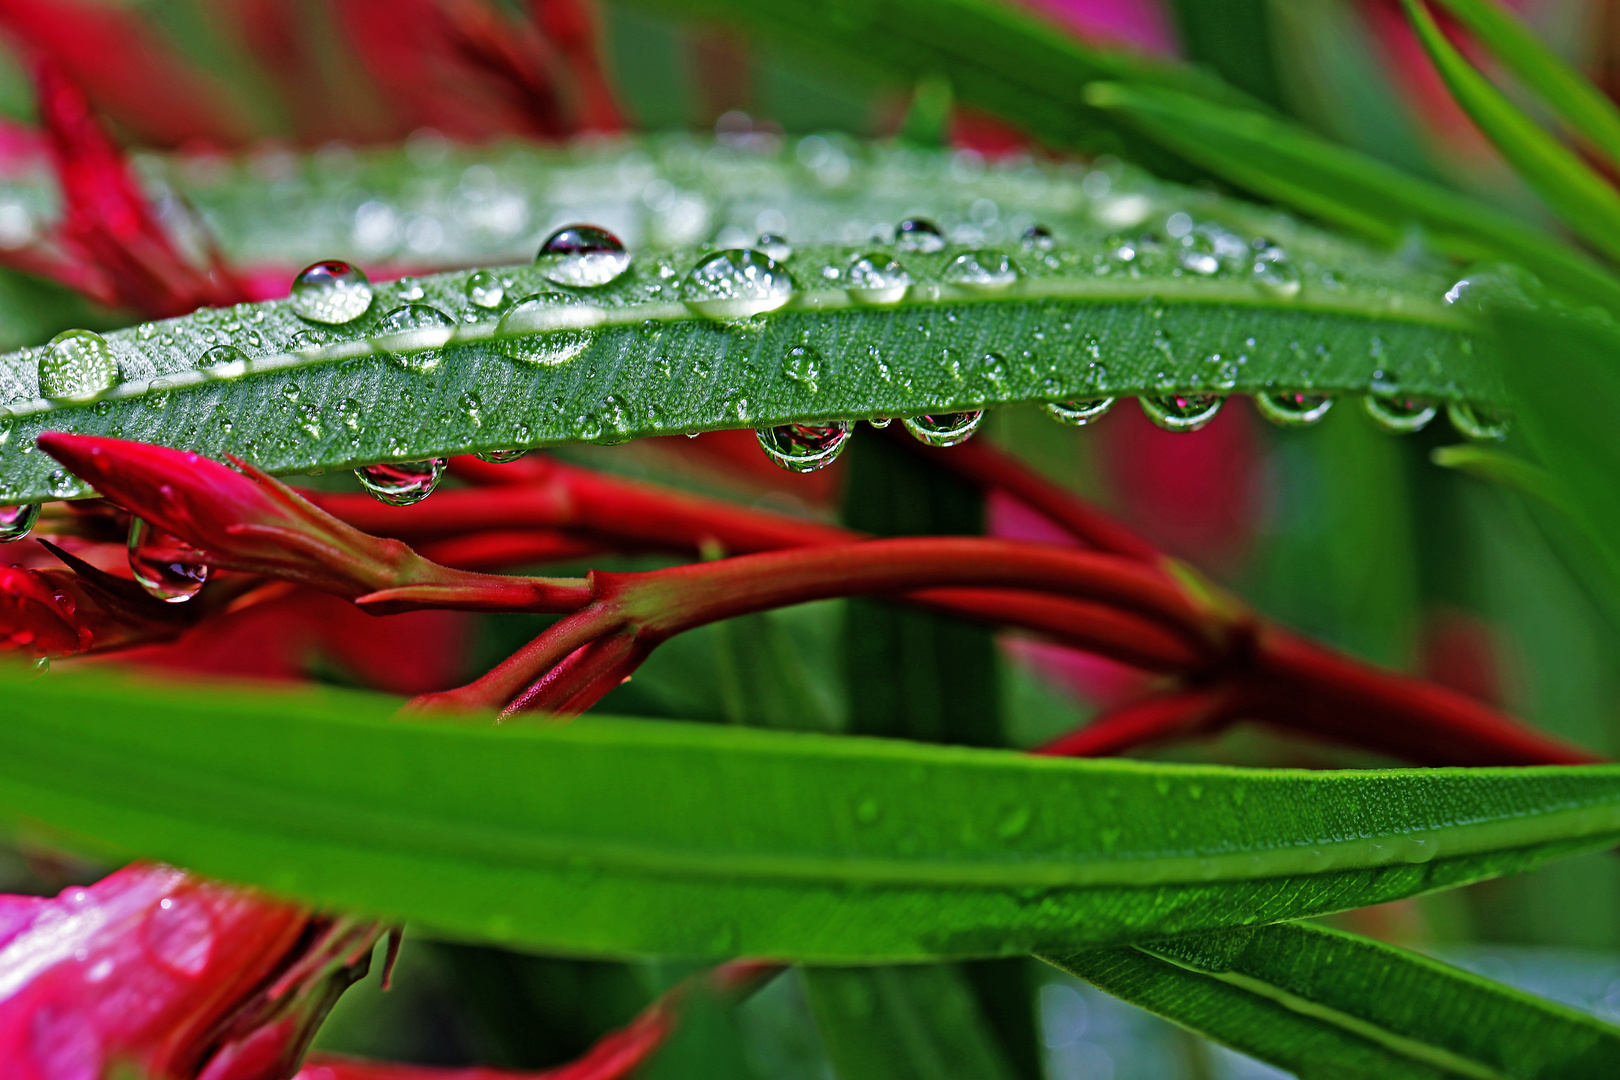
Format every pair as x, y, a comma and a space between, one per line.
408, 288
737, 284
306, 341
802, 364
352, 414
944, 429
774, 245
1182, 412
1293, 408
415, 335
17, 522
1400, 414
1197, 253
881, 422
804, 448
485, 290
78, 364
521, 341
401, 483
222, 355
1479, 422
1080, 413
501, 457
163, 564
919, 234
981, 271
331, 292
1037, 238
179, 933
1273, 274
582, 257
877, 279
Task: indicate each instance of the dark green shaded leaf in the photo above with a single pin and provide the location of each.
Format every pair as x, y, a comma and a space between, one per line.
1323, 1003
617, 837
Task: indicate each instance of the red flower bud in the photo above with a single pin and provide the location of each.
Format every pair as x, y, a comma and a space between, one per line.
158, 973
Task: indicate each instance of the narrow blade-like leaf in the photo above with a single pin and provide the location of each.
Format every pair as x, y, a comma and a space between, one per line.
1299, 169
1576, 193
1323, 1003
623, 837
1586, 109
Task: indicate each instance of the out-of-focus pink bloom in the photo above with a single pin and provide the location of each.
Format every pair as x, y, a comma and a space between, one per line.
164, 975
1144, 24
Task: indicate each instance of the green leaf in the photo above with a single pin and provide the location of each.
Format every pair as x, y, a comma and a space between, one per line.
1324, 1003
1506, 469
1094, 315
1585, 200
918, 1022
1299, 169
1586, 109
617, 837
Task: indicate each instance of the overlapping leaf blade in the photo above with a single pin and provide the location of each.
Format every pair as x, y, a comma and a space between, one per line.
616, 837
1147, 289
1323, 1003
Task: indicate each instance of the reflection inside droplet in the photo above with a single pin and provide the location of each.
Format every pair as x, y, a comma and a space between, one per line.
401, 483
582, 257
331, 292
944, 429
803, 447
163, 564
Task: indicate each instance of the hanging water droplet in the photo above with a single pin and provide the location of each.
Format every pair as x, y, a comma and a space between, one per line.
501, 457
877, 279
414, 335
944, 429
881, 422
1037, 238
775, 245
401, 483
582, 257
485, 290
1481, 423
1400, 414
77, 365
919, 234
1080, 413
737, 284
17, 522
223, 356
331, 292
981, 271
1293, 408
523, 337
1273, 273
1183, 411
163, 564
804, 448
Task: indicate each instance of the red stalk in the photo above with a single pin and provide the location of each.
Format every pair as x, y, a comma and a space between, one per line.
1156, 719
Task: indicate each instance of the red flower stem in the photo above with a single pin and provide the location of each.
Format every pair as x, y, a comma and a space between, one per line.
982, 464
646, 609
493, 550
1154, 719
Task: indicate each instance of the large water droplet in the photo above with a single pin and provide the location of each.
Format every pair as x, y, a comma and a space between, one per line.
1183, 411
401, 483
222, 356
1400, 414
582, 257
877, 279
17, 522
1273, 273
501, 457
485, 290
1479, 422
415, 335
737, 284
331, 292
944, 429
1080, 413
919, 234
522, 337
77, 364
1037, 238
804, 448
1293, 408
981, 271
163, 564
775, 245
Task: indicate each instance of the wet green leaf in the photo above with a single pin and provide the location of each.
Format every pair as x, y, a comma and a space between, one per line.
620, 837
1323, 1003
1145, 289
